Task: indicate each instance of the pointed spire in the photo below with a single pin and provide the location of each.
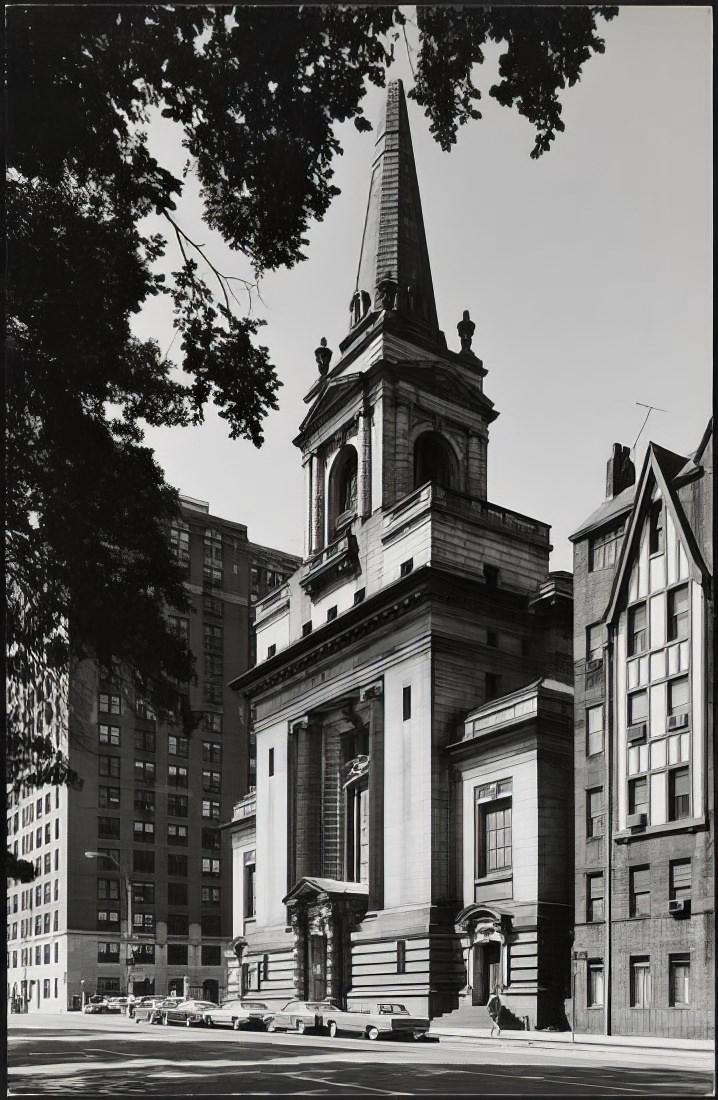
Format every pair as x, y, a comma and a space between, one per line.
394, 271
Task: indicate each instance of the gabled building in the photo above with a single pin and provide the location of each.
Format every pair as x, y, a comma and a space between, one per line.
357, 872
643, 646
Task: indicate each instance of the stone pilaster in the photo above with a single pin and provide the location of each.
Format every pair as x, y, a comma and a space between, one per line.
364, 501
308, 502
374, 695
317, 503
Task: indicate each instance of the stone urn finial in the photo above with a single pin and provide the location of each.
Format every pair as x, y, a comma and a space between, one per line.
386, 292
323, 355
466, 329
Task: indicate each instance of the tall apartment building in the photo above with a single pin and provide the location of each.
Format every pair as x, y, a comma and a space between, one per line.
150, 908
643, 646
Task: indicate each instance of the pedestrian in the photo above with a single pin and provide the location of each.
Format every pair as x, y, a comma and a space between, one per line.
131, 1005
494, 1010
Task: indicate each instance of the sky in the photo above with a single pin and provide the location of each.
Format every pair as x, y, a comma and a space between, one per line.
588, 273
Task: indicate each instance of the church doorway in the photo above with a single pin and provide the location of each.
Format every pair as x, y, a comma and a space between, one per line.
317, 968
487, 971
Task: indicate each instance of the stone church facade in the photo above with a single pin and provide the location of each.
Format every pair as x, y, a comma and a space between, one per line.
410, 835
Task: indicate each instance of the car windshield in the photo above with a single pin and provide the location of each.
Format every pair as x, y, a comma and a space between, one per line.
255, 1004
392, 1010
201, 1004
232, 1004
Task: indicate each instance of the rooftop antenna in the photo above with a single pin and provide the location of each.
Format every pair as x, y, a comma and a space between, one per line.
650, 408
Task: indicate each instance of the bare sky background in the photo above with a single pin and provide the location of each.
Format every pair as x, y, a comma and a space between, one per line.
588, 274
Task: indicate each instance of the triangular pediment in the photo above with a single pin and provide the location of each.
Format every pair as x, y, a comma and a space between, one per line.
337, 392
309, 888
660, 468
446, 381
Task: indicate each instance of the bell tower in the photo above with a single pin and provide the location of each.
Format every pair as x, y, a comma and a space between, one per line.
398, 409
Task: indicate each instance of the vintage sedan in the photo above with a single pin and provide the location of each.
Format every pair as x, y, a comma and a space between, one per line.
300, 1016
387, 1018
239, 1014
146, 1007
96, 1004
189, 1013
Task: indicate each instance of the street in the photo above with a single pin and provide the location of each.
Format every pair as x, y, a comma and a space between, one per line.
113, 1055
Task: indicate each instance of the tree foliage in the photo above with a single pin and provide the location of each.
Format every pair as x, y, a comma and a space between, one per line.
257, 93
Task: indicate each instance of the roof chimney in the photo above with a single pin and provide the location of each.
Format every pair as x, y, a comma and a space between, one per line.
620, 471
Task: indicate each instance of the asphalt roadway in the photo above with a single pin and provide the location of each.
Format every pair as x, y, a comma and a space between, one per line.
107, 1055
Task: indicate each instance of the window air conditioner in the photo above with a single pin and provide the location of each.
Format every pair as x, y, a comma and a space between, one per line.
679, 905
637, 733
635, 821
676, 721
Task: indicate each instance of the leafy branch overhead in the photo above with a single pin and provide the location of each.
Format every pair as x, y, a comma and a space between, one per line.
256, 93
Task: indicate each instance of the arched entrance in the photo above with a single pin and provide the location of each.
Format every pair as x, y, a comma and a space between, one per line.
484, 932
324, 912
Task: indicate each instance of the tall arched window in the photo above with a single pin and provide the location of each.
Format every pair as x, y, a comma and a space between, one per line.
434, 461
342, 490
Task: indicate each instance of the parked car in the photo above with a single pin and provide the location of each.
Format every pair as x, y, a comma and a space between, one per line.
116, 1004
189, 1013
96, 1004
239, 1014
385, 1018
145, 1008
300, 1016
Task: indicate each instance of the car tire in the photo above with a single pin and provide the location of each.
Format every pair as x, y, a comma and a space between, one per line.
301, 1027
332, 1028
236, 1024
271, 1026
372, 1033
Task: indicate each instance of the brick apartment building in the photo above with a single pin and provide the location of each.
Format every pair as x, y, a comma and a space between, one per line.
412, 698
644, 741
150, 806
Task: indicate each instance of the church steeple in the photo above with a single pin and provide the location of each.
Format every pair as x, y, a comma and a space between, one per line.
394, 272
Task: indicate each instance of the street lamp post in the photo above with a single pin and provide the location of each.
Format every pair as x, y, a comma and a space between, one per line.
128, 907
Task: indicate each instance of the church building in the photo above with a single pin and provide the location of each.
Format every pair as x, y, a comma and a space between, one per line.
410, 836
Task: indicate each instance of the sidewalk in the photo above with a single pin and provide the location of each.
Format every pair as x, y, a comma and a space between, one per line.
697, 1053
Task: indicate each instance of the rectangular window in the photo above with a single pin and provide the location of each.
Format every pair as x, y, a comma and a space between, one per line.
177, 865
401, 956
46, 986
177, 746
637, 707
143, 922
176, 953
211, 895
211, 752
177, 925
679, 979
640, 991
211, 954
680, 879
211, 924
144, 771
493, 839
638, 796
145, 740
678, 696
595, 636
177, 805
406, 703
594, 897
144, 709
177, 893
213, 723
678, 613
177, 775
143, 861
637, 630
143, 893
211, 839
144, 802
144, 832
109, 735
595, 818
210, 866
176, 834
108, 797
639, 891
109, 704
655, 534
493, 686
143, 953
271, 762
603, 549
108, 889
211, 781
210, 809
250, 884
594, 730
108, 952
109, 766
491, 575
108, 918
679, 794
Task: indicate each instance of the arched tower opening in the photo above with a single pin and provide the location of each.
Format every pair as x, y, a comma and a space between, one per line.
434, 460
342, 495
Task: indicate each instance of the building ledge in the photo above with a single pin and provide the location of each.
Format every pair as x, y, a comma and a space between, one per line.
687, 825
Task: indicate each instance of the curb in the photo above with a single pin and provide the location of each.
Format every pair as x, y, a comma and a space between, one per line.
588, 1043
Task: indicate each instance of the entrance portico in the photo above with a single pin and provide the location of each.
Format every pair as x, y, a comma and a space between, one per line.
323, 914
484, 932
